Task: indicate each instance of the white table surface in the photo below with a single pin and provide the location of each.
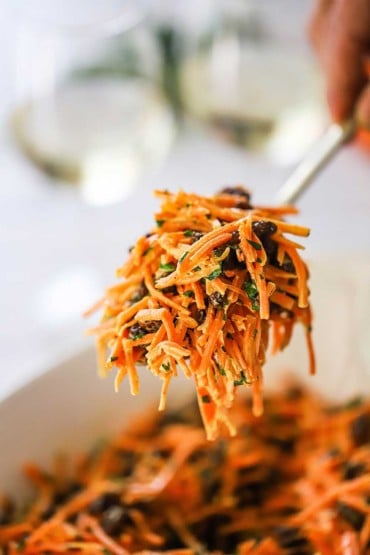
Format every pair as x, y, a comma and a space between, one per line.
57, 253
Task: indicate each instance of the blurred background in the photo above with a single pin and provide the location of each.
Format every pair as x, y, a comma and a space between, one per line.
103, 101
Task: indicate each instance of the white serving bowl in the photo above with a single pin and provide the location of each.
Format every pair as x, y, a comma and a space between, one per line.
68, 408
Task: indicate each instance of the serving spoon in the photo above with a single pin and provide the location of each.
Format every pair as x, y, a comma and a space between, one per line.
315, 160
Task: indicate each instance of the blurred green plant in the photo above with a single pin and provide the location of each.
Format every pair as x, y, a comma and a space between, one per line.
121, 62
170, 48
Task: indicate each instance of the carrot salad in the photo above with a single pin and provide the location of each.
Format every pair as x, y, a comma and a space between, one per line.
295, 481
201, 293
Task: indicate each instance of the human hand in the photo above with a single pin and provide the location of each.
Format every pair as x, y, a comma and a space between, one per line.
340, 33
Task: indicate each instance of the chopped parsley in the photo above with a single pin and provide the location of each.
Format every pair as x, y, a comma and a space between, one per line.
255, 333
138, 336
254, 244
221, 369
160, 222
255, 305
113, 359
166, 367
242, 379
197, 268
218, 251
169, 267
188, 293
214, 274
206, 399
183, 256
188, 233
233, 247
250, 288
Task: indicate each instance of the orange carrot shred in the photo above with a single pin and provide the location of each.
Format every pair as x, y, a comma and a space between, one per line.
209, 280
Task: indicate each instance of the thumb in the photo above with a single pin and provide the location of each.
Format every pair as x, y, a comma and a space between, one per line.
363, 108
346, 49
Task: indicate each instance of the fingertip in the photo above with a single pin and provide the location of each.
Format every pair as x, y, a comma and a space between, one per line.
363, 109
345, 74
339, 106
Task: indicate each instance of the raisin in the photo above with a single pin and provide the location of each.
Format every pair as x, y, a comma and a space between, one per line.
263, 228
290, 537
128, 460
171, 290
49, 511
285, 444
270, 247
283, 312
140, 293
64, 495
350, 515
153, 326
217, 300
198, 314
171, 539
235, 238
238, 191
352, 470
232, 540
360, 429
103, 502
114, 519
251, 493
288, 265
6, 512
138, 330
209, 530
231, 262
196, 235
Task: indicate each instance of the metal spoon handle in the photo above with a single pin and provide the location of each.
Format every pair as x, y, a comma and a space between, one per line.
316, 159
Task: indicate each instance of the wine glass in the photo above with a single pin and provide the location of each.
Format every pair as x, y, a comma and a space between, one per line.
88, 106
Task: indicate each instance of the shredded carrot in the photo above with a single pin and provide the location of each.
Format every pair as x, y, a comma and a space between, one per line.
206, 278
295, 480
